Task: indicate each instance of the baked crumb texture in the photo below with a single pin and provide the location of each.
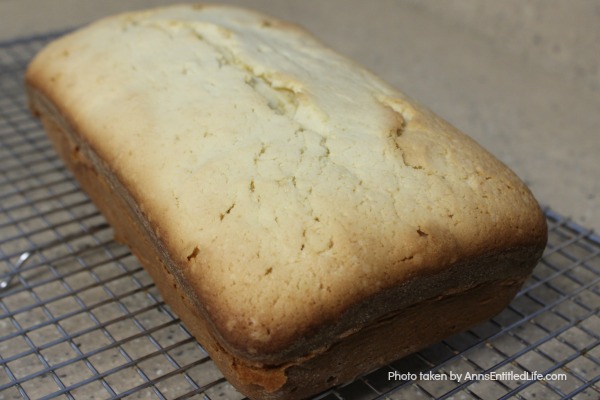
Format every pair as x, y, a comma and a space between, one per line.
300, 215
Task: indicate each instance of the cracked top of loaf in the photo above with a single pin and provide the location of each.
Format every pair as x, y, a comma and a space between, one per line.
286, 183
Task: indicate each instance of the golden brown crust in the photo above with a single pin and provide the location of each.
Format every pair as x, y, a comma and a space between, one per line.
278, 253
408, 318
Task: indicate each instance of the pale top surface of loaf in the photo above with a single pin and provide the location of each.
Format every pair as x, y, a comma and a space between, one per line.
287, 181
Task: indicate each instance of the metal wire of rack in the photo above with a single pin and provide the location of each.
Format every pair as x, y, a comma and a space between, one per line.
79, 318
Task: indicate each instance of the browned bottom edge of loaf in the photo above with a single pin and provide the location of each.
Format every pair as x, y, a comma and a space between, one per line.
388, 339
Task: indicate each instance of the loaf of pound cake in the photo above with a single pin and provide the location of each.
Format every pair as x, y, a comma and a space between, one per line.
308, 222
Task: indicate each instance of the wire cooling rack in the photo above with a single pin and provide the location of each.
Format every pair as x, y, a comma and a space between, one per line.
80, 319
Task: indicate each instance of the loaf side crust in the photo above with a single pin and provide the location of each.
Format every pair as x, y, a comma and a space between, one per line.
282, 197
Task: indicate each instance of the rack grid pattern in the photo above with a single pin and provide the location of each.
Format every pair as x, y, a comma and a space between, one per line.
79, 317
